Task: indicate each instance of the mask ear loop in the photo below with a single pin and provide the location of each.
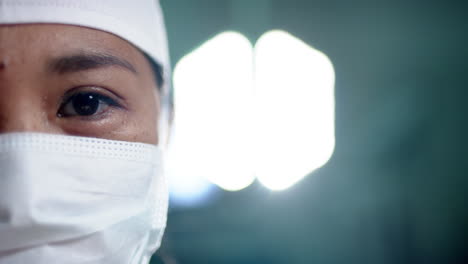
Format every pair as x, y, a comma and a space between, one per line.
162, 77
166, 114
164, 125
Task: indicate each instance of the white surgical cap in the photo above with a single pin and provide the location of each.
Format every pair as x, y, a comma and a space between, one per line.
138, 21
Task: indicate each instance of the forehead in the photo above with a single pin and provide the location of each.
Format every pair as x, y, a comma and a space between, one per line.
20, 42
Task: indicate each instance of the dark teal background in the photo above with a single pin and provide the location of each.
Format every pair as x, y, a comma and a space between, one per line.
395, 188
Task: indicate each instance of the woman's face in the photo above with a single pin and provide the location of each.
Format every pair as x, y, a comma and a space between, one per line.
77, 81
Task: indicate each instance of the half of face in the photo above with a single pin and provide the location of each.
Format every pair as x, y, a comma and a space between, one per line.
73, 80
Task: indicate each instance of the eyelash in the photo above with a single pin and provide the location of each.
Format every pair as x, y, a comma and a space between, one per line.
92, 96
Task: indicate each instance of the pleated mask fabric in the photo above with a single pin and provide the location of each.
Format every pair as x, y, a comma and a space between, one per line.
75, 200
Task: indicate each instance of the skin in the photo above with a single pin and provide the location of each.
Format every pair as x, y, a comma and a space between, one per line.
39, 85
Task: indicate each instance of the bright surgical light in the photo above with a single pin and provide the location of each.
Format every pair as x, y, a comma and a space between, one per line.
213, 113
186, 189
295, 109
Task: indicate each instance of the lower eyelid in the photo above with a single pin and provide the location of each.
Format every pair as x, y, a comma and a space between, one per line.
106, 114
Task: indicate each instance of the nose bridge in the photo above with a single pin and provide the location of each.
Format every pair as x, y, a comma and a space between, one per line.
20, 111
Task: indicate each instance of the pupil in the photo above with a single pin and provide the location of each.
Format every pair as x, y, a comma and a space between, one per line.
85, 104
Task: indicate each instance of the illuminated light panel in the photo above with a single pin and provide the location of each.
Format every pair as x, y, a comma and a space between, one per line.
295, 109
213, 113
185, 188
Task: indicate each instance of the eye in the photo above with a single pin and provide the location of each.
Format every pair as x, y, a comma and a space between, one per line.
85, 104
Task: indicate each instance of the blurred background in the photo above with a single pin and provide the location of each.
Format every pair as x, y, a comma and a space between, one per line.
388, 184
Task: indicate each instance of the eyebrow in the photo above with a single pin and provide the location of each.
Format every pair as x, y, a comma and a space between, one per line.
88, 61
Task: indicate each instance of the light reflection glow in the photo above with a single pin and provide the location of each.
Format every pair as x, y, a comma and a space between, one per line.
231, 127
213, 112
295, 113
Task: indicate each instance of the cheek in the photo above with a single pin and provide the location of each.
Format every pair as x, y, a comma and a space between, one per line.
140, 122
143, 127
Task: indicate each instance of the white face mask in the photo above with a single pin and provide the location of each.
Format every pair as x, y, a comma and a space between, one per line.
66, 199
